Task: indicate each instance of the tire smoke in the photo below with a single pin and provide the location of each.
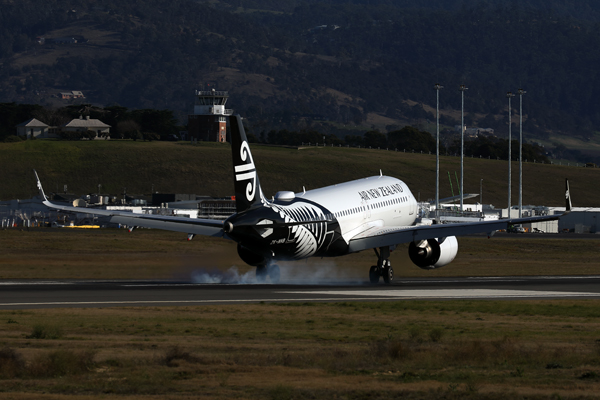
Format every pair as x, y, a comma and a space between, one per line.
232, 276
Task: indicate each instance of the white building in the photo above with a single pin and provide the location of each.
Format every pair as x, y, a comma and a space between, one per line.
86, 124
33, 128
579, 220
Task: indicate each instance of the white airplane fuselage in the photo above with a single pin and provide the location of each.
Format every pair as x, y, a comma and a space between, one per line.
358, 205
284, 229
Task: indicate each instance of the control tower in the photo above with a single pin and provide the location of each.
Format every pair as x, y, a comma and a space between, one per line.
208, 122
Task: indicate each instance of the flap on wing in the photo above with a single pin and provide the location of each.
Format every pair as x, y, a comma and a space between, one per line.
393, 235
379, 230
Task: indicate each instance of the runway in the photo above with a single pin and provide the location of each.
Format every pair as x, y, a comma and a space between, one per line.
72, 293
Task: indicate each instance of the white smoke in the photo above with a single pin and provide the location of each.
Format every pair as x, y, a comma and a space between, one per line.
212, 269
292, 273
232, 276
319, 272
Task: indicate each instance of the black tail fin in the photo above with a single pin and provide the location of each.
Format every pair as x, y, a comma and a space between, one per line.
245, 178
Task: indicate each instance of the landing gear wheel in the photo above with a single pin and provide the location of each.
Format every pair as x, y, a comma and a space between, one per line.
261, 274
388, 274
274, 273
374, 274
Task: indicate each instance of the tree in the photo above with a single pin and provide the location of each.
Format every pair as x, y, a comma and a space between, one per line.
375, 140
128, 129
411, 138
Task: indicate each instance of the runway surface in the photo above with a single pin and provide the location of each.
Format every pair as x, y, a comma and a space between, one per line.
68, 293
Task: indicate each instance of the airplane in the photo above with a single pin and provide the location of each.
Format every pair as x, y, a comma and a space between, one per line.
378, 212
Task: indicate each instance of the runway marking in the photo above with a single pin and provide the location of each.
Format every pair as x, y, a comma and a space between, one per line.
449, 293
349, 295
133, 302
36, 283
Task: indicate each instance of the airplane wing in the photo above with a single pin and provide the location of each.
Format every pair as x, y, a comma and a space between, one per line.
393, 235
196, 226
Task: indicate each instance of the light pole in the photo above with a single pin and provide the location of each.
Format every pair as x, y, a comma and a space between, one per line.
481, 193
510, 95
462, 89
437, 88
521, 92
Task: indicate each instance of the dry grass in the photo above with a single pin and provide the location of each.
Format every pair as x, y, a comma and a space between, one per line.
153, 254
407, 349
475, 349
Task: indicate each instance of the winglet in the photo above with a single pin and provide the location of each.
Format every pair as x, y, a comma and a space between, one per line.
39, 185
567, 197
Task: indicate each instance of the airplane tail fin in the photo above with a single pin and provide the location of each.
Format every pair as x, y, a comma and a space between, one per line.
247, 187
568, 204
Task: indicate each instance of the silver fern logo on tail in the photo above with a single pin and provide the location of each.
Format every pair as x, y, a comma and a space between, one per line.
245, 175
247, 172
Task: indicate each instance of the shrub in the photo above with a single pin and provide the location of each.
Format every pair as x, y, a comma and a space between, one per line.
389, 348
13, 139
177, 353
45, 332
11, 363
436, 334
281, 392
69, 135
150, 136
414, 333
61, 363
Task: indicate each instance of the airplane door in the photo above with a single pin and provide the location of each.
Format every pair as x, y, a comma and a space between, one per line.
367, 210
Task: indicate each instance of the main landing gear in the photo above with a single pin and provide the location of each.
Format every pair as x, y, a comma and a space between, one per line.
271, 270
383, 267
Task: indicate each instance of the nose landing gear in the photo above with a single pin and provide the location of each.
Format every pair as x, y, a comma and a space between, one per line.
383, 267
271, 270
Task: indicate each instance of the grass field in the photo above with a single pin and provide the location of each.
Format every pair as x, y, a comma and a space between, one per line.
205, 169
45, 253
407, 349
535, 349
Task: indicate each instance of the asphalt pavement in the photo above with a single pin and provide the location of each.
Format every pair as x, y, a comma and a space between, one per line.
33, 294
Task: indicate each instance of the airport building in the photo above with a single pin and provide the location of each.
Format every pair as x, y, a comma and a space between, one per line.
208, 123
31, 212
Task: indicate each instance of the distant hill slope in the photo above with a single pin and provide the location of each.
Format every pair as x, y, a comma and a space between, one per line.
205, 169
326, 64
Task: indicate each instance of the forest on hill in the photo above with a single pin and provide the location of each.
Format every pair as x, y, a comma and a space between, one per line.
339, 67
149, 125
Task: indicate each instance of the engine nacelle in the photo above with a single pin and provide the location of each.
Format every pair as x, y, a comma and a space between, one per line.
432, 254
250, 257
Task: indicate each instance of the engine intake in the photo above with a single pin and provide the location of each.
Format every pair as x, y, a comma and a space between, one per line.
433, 253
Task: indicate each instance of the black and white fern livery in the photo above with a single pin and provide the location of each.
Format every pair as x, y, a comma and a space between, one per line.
309, 238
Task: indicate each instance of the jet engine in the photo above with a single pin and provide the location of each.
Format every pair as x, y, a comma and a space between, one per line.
433, 253
250, 257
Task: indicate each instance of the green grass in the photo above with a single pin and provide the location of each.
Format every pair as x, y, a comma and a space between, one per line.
206, 169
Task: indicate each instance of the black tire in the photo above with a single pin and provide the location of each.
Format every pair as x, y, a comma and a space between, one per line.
388, 274
274, 273
261, 274
374, 274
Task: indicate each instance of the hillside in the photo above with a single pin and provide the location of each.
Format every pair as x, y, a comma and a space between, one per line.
330, 65
205, 169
